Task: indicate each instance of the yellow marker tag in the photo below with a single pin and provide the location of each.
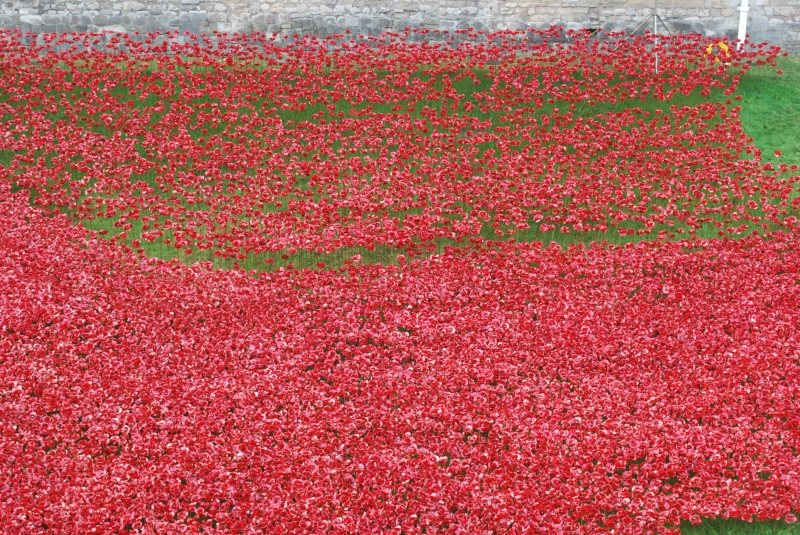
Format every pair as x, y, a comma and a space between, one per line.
723, 48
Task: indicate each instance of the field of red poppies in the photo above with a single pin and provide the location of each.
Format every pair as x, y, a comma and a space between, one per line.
416, 283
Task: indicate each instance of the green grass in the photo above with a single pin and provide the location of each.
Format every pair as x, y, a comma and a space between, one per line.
740, 527
771, 109
752, 86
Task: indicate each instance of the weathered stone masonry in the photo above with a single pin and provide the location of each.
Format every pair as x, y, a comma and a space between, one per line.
775, 21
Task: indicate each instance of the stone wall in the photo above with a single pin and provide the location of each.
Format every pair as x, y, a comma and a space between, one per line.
774, 21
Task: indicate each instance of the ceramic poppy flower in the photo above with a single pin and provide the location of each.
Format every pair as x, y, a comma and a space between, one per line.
494, 383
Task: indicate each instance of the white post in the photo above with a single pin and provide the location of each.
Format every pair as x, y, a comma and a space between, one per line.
743, 9
655, 30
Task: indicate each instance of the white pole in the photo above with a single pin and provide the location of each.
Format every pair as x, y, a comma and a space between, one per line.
655, 30
743, 9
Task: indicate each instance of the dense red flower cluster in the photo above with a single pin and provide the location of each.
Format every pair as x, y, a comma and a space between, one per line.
196, 148
505, 387
499, 387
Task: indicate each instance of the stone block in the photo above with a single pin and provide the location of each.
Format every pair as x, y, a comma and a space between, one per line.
9, 20
111, 28
33, 20
679, 26
51, 20
450, 25
138, 21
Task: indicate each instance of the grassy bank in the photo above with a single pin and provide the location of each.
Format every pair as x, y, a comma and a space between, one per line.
771, 109
768, 114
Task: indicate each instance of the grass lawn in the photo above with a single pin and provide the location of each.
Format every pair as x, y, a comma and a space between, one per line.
739, 527
771, 109
768, 115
